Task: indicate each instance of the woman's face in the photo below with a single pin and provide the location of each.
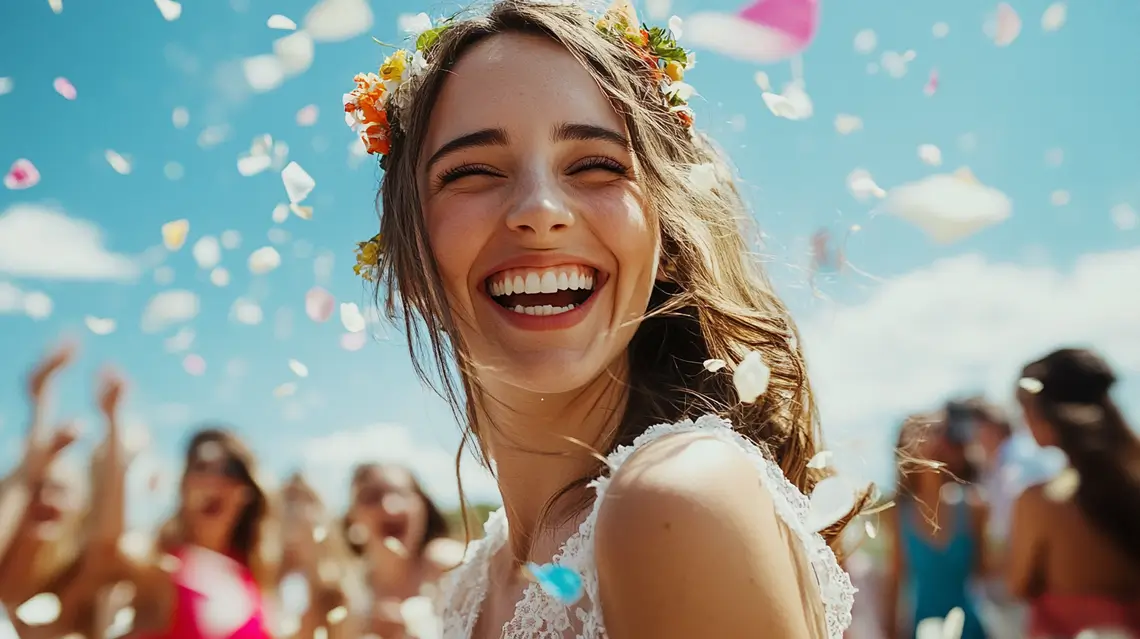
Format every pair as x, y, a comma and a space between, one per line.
1038, 427
385, 502
56, 501
213, 489
540, 230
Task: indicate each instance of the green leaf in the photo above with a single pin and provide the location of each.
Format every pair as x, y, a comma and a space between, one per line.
429, 37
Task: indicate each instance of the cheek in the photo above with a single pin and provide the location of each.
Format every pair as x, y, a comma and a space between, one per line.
458, 226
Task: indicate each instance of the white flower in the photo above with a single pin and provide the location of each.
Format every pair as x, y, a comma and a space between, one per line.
675, 27
415, 25
679, 89
751, 377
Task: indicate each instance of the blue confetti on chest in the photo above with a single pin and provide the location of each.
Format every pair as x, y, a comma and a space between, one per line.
558, 581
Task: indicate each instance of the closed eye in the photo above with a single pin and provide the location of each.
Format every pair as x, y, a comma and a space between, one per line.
597, 163
465, 170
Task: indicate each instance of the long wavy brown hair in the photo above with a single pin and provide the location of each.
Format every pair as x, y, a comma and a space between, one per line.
1074, 402
717, 304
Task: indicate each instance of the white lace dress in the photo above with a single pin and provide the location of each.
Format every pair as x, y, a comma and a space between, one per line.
540, 616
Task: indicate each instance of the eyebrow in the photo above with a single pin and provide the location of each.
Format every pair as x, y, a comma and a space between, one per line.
585, 132
498, 137
485, 137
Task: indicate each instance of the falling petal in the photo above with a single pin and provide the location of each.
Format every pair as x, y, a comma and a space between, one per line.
751, 377
169, 9
173, 171
832, 498
1124, 217
1062, 487
298, 183
1030, 385
1007, 25
1054, 16
180, 342
895, 63
99, 326
820, 460
22, 175
351, 318
303, 212
263, 72
247, 312
207, 252
1054, 157
340, 613
169, 308
764, 31
863, 186
846, 124
714, 365
65, 88
299, 369
278, 21
288, 389
338, 20
278, 236
866, 41
762, 81
280, 213
658, 9
264, 260
307, 116
174, 234
319, 304
213, 135
793, 104
676, 26
940, 30
6, 86
931, 83
295, 52
56, 6
249, 165
413, 24
40, 610
949, 207
702, 177
1060, 198
930, 154
353, 341
163, 275
180, 117
220, 277
869, 528
194, 365
231, 240
420, 618
37, 305
560, 582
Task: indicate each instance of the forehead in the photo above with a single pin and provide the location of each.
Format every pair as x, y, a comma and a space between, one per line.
386, 477
525, 84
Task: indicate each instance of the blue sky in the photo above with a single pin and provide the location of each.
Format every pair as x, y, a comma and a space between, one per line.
933, 320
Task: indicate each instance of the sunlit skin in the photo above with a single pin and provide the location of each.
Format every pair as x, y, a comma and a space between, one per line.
386, 504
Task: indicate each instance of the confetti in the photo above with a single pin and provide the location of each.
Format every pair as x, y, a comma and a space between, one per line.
37, 305
931, 86
295, 52
220, 277
820, 459
231, 240
351, 318
278, 21
1054, 17
174, 234
751, 377
869, 528
338, 20
1030, 385
420, 619
180, 117
1054, 157
298, 183
1124, 217
65, 88
40, 610
263, 72
930, 154
702, 177
280, 213
793, 104
207, 252
303, 212
866, 41
940, 30
299, 369
249, 165
288, 389
169, 308
226, 603
832, 498
762, 81
353, 342
213, 135
1060, 197
278, 236
246, 311
169, 9
558, 581
173, 171
764, 31
319, 304
1006, 25
714, 365
413, 24
935, 628
180, 341
264, 260
99, 326
163, 275
194, 365
949, 207
22, 175
307, 116
56, 6
658, 9
862, 186
895, 63
6, 86
847, 124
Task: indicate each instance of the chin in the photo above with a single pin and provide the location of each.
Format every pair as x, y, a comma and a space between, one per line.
551, 371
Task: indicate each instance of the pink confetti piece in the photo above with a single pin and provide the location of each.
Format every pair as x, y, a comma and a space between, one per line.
353, 342
319, 304
307, 116
1007, 25
65, 88
194, 365
931, 84
22, 175
764, 31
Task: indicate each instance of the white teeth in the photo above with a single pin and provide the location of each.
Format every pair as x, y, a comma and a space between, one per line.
543, 310
563, 280
517, 286
549, 282
573, 281
537, 281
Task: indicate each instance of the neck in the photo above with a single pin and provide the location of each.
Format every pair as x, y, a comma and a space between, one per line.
928, 487
215, 538
542, 443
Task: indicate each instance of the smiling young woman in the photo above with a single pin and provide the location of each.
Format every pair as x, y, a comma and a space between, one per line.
543, 239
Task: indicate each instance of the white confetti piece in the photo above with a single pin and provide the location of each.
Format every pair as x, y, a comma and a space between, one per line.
1006, 25
862, 186
278, 21
37, 305
231, 239
298, 183
1054, 157
930, 155
420, 618
935, 628
278, 236
263, 72
180, 117
220, 277
180, 341
288, 389
295, 52
793, 104
1030, 385
413, 24
949, 207
6, 86
250, 165
303, 212
307, 116
338, 20
319, 304
1060, 197
226, 604
846, 124
120, 164
174, 234
714, 365
245, 311
207, 252
832, 498
264, 260
762, 81
299, 369
65, 88
22, 175
169, 9
940, 30
173, 171
280, 213
340, 613
99, 326
869, 528
168, 308
1054, 17
56, 6
351, 318
1124, 217
751, 377
40, 610
895, 63
820, 459
213, 135
866, 41
194, 365
702, 177
163, 275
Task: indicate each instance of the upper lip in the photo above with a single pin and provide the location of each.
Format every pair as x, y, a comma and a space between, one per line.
540, 260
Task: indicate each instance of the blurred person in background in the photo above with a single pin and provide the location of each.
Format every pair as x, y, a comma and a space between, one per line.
936, 529
402, 538
1075, 542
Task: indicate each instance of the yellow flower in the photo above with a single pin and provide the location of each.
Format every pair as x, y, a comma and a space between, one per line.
394, 65
367, 258
675, 71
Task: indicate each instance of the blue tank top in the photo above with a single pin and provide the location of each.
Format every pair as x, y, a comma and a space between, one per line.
938, 572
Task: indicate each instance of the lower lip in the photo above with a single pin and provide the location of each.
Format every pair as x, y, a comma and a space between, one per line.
557, 322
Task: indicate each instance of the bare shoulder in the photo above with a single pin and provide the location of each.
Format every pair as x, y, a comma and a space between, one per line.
688, 543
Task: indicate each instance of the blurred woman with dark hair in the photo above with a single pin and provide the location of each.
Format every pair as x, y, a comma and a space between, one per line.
936, 528
1075, 542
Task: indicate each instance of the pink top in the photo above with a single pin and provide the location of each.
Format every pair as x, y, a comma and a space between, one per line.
217, 598
1068, 615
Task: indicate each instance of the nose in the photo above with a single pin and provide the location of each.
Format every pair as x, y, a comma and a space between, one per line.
541, 211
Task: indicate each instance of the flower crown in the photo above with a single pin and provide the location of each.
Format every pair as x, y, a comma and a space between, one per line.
369, 108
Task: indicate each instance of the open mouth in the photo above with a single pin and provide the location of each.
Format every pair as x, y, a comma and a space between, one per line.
394, 528
212, 506
543, 291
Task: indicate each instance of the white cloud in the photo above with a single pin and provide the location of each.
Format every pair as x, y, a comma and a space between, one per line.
169, 308
328, 461
42, 241
34, 304
961, 325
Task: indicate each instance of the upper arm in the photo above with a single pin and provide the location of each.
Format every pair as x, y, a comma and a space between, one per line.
1026, 542
980, 518
688, 544
896, 559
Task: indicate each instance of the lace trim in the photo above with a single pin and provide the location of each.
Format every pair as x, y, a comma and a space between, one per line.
540, 616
